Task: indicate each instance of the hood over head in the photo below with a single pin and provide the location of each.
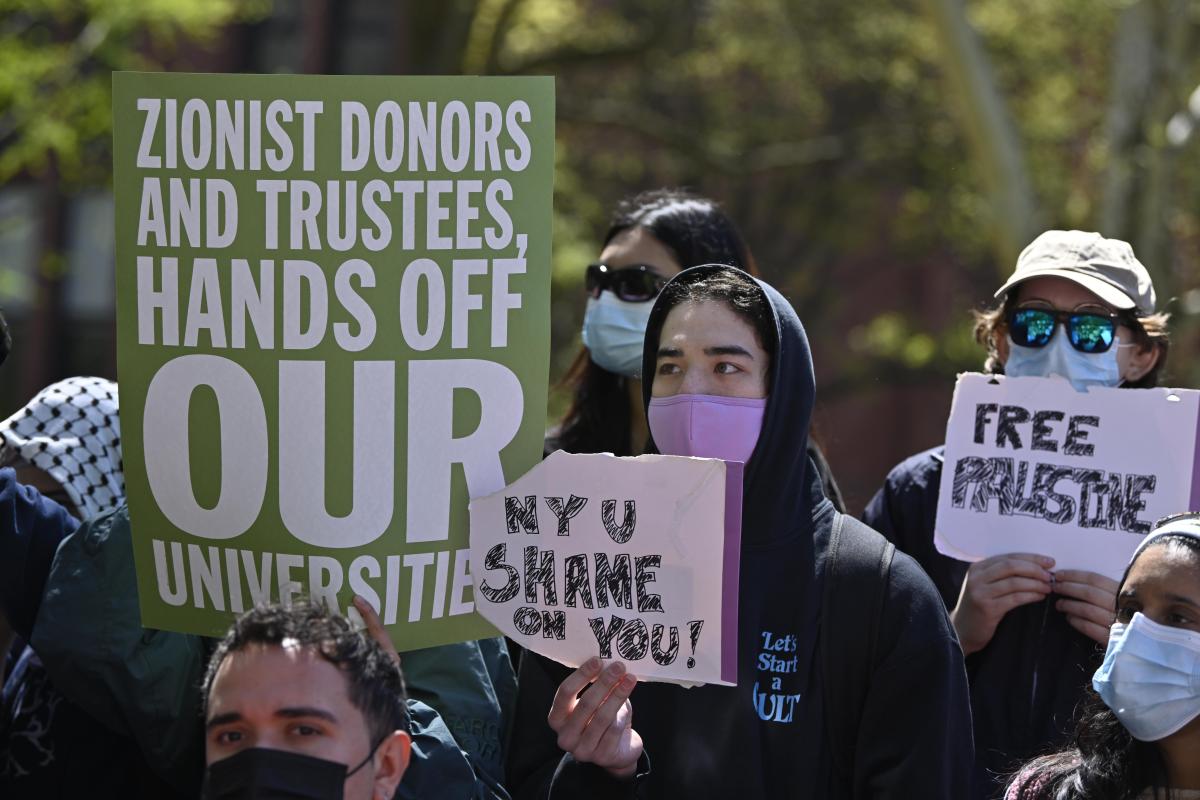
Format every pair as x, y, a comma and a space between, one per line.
779, 494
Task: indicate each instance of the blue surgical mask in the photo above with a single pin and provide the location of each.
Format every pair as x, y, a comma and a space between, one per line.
1058, 357
1150, 677
613, 332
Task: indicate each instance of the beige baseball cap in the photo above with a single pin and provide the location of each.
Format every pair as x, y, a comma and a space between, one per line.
1105, 267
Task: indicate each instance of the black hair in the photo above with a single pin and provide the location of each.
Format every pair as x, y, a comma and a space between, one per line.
1104, 762
692, 227
374, 681
696, 231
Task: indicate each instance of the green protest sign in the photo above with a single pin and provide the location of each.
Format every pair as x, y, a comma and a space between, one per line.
333, 330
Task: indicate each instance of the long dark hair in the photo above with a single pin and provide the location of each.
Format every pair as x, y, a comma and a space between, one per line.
696, 231
1105, 762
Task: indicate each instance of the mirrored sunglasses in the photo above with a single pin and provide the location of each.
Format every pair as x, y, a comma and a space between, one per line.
1088, 332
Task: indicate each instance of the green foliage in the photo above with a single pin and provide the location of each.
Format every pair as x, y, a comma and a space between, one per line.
826, 128
56, 61
895, 337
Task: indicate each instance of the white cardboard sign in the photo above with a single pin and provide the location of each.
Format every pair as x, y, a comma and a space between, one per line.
1034, 466
633, 559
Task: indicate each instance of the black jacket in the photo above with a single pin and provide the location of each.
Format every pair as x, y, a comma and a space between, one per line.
766, 737
1028, 681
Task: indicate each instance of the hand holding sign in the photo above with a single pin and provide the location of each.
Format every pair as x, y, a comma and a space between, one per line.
628, 558
1034, 466
596, 727
992, 588
334, 330
1089, 600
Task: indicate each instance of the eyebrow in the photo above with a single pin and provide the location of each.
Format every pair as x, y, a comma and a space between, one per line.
286, 713
1087, 304
728, 350
719, 350
223, 719
306, 711
1178, 598
1131, 594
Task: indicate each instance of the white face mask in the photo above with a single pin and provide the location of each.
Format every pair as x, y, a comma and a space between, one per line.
1058, 357
613, 332
1150, 677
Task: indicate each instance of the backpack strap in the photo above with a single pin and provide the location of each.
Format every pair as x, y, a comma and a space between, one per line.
856, 577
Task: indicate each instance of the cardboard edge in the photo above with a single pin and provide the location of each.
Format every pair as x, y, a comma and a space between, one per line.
731, 566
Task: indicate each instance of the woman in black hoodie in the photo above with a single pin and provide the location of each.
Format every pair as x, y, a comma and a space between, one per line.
718, 338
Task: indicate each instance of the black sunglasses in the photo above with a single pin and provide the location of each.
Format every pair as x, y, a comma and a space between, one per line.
635, 284
1088, 331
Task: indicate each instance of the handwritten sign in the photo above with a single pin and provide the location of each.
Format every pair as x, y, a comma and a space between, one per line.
1034, 466
333, 330
625, 558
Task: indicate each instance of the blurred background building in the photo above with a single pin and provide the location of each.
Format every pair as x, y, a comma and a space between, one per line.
886, 159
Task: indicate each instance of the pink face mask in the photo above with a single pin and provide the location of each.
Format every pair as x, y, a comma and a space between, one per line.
706, 426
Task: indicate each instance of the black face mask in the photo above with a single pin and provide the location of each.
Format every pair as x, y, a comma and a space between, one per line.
264, 774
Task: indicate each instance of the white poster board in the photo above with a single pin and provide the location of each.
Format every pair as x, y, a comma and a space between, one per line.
1034, 466
633, 559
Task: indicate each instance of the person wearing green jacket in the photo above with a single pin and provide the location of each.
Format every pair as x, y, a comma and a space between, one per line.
147, 683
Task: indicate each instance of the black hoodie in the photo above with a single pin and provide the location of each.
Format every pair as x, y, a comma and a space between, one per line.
765, 738
1027, 683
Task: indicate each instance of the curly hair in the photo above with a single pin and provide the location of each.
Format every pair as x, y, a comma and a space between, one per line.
374, 681
991, 326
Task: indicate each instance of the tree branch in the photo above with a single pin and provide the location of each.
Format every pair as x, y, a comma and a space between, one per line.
665, 131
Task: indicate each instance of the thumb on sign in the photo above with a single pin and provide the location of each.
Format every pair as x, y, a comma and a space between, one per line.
375, 627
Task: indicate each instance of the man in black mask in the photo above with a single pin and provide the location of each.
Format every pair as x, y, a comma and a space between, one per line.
300, 705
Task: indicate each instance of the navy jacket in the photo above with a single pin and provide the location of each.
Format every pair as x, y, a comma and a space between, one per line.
1028, 681
49, 746
766, 737
31, 528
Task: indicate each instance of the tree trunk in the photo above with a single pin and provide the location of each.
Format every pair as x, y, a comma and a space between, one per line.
1148, 69
319, 37
432, 37
1132, 78
41, 347
1152, 241
992, 136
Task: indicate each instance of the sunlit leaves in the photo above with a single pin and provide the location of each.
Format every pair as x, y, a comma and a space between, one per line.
56, 62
